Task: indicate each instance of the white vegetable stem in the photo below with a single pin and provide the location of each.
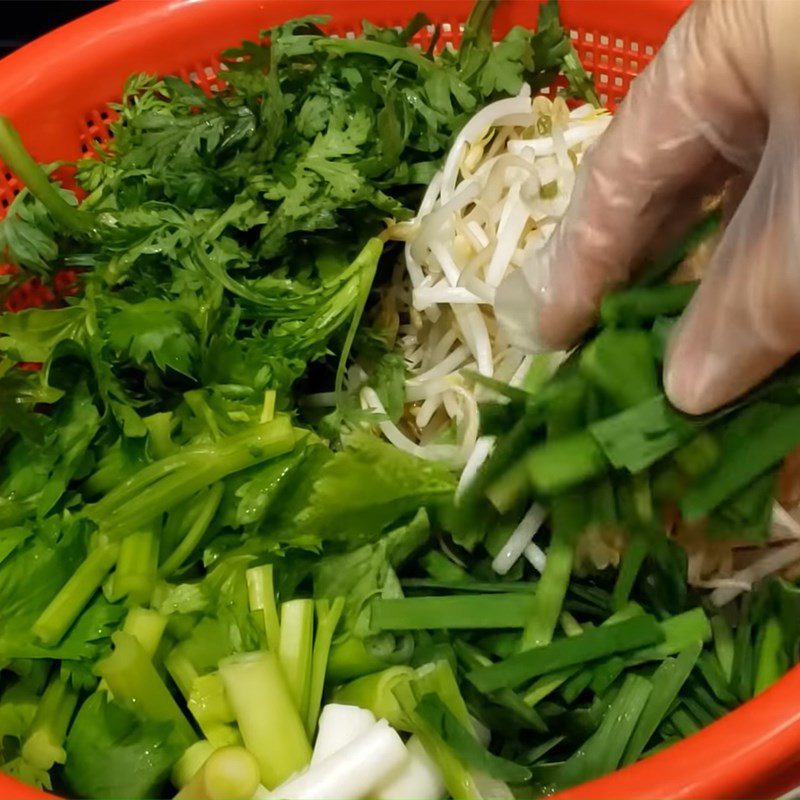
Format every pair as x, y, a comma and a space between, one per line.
339, 725
419, 779
351, 773
520, 539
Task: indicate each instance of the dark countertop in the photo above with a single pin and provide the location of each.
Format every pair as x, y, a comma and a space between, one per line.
24, 20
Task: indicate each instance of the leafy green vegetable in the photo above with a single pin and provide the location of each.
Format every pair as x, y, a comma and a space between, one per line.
399, 484
113, 753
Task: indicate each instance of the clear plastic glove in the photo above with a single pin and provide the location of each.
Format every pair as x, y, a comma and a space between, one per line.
721, 99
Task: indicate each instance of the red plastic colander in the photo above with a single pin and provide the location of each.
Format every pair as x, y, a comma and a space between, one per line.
56, 92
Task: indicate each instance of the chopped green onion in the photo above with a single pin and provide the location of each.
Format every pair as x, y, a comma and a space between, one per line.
667, 680
471, 612
630, 635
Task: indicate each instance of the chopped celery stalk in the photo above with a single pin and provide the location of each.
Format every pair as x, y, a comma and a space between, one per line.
745, 461
44, 742
193, 758
723, 644
137, 565
229, 773
208, 701
338, 726
466, 611
73, 597
626, 636
32, 176
667, 680
772, 661
356, 770
159, 434
328, 615
196, 531
350, 659
640, 304
270, 726
621, 364
563, 463
163, 484
261, 591
268, 407
296, 646
134, 682
376, 693
147, 627
181, 670
679, 632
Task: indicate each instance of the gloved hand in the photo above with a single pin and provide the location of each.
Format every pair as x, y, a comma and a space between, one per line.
721, 98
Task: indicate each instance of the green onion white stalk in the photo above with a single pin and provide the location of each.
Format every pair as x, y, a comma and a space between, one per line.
338, 726
420, 778
355, 771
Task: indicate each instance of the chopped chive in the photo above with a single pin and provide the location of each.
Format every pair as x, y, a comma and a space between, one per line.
603, 751
481, 587
636, 438
576, 686
639, 632
742, 671
771, 659
466, 611
684, 723
606, 673
679, 632
667, 680
709, 667
569, 518
620, 363
745, 461
471, 657
629, 569
639, 304
563, 463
